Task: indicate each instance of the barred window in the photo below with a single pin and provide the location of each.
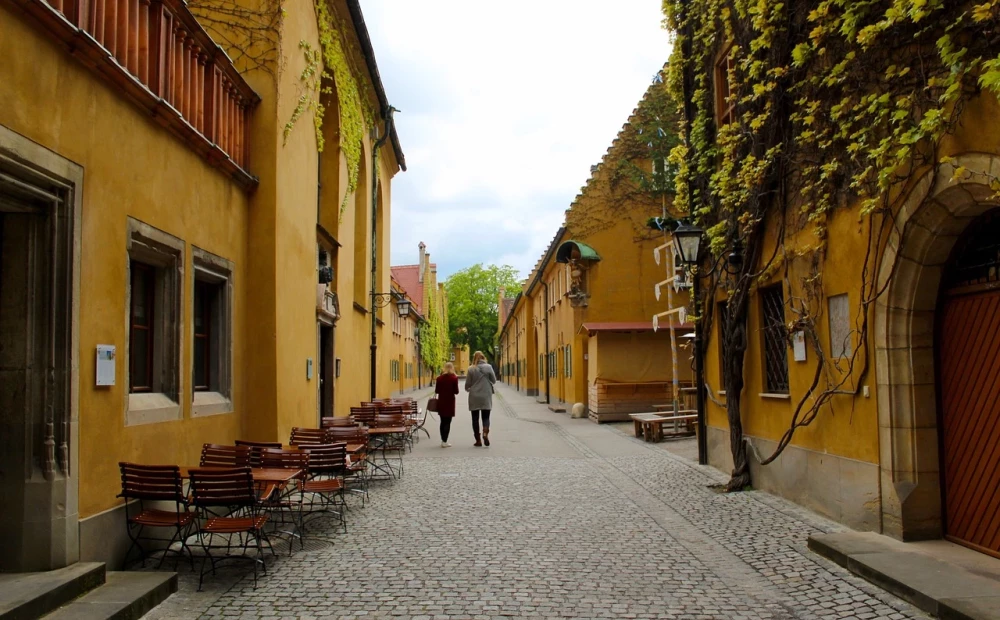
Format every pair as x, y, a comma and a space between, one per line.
775, 341
569, 361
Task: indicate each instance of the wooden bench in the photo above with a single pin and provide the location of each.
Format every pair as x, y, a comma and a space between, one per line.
650, 425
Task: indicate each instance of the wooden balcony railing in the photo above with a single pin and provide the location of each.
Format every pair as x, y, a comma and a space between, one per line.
160, 56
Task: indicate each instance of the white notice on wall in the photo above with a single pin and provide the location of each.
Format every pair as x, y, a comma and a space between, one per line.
105, 364
799, 346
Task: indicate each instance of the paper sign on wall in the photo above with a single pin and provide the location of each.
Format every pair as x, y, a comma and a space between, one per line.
799, 346
105, 364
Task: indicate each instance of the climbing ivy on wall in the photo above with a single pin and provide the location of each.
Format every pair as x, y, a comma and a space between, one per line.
433, 334
333, 67
835, 103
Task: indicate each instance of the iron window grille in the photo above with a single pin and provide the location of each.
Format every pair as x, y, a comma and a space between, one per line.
775, 338
976, 262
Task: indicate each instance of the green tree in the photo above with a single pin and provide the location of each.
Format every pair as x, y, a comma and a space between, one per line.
473, 311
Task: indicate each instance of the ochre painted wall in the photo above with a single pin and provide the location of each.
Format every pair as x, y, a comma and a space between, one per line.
132, 167
135, 168
849, 427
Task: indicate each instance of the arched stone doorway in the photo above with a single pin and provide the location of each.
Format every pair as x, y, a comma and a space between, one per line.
937, 212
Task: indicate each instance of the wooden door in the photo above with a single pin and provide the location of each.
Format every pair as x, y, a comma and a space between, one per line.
969, 375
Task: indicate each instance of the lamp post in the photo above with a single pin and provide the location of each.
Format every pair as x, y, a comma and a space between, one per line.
381, 300
688, 244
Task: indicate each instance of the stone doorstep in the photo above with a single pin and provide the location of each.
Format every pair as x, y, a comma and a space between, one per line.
124, 596
25, 596
945, 589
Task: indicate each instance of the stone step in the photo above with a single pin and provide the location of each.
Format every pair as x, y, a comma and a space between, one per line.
124, 596
26, 596
941, 588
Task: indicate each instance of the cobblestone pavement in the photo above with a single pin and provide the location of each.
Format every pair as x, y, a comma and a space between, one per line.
559, 518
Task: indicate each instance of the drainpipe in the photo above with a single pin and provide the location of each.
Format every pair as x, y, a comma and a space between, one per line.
387, 120
545, 319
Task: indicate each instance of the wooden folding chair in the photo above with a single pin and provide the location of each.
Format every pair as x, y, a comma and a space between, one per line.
327, 469
142, 485
232, 490
219, 455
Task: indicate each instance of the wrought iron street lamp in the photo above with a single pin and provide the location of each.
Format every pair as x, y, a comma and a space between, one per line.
381, 300
688, 240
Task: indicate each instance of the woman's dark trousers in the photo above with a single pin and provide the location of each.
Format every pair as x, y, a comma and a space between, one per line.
445, 427
475, 420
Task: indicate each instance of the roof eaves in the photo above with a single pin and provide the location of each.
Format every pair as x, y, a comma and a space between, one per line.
354, 6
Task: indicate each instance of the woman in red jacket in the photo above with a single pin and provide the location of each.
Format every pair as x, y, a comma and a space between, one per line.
446, 387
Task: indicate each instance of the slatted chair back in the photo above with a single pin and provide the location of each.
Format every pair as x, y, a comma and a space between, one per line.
327, 459
152, 483
285, 459
231, 487
302, 435
256, 447
337, 422
391, 419
219, 455
364, 415
353, 434
393, 410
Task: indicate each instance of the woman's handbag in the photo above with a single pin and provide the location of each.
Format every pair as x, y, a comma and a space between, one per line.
432, 404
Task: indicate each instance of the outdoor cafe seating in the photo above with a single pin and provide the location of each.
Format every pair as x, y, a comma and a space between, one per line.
241, 495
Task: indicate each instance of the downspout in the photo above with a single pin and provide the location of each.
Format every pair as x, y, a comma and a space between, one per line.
387, 120
545, 319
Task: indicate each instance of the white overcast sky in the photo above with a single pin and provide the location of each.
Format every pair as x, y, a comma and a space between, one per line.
504, 108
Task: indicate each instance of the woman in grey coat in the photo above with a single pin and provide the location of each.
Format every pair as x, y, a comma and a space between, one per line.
479, 380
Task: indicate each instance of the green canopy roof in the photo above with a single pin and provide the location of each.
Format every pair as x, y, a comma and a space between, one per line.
565, 252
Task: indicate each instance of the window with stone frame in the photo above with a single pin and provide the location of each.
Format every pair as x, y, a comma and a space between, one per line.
153, 309
774, 340
211, 372
725, 105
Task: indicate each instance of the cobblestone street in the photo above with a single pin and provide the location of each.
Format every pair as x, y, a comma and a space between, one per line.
559, 518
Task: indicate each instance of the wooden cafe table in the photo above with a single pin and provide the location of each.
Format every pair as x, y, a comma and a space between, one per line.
260, 474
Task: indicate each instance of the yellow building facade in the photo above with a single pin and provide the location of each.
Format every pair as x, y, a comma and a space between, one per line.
581, 329
419, 282
871, 460
404, 346
876, 339
177, 250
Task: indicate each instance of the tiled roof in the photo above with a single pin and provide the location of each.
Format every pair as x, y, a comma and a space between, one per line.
508, 304
408, 277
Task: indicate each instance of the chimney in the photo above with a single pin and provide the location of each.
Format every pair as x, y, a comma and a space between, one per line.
420, 268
